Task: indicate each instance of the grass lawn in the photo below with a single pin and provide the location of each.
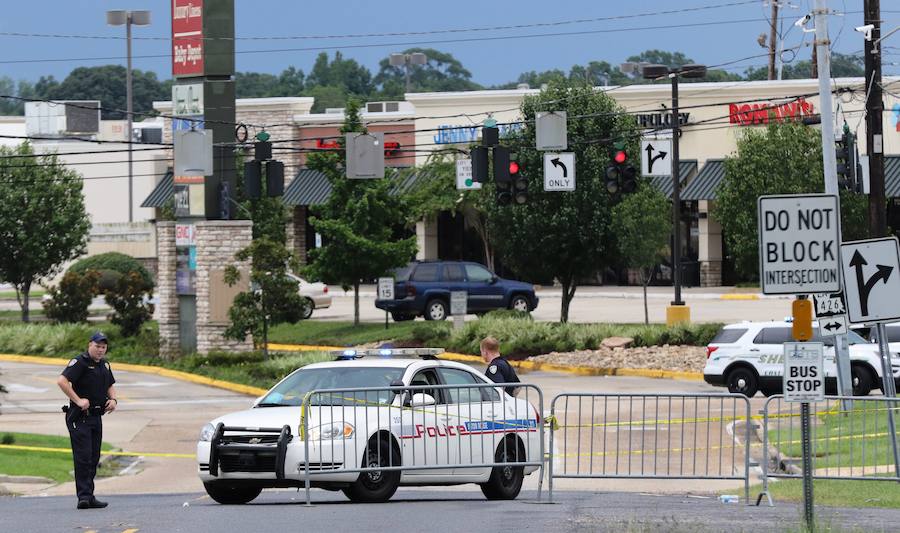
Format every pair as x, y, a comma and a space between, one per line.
54, 465
837, 493
11, 295
345, 333
842, 439
35, 312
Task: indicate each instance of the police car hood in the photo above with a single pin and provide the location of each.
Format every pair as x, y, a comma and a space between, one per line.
262, 417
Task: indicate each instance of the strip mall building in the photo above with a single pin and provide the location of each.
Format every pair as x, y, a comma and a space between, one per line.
713, 117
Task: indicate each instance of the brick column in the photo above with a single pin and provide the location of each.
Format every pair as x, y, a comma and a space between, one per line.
167, 308
217, 243
296, 232
710, 242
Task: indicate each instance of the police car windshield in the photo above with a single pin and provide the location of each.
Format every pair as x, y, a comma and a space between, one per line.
292, 390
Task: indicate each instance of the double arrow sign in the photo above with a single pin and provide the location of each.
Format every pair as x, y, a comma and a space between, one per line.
864, 288
871, 280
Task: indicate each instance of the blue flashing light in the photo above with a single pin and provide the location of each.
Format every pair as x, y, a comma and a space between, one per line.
385, 352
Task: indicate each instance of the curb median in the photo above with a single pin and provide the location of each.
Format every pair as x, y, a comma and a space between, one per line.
532, 365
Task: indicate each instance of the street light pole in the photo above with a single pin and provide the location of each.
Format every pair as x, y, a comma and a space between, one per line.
677, 311
407, 61
127, 18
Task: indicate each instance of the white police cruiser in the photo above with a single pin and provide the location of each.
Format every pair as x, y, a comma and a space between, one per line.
749, 356
381, 422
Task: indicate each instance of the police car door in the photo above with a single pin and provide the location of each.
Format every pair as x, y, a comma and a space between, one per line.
425, 430
472, 411
767, 352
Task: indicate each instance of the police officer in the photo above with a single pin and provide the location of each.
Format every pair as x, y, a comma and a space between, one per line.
498, 370
88, 382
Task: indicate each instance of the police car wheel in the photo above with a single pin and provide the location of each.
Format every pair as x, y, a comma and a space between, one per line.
231, 495
376, 486
436, 310
519, 303
506, 481
308, 307
862, 380
742, 381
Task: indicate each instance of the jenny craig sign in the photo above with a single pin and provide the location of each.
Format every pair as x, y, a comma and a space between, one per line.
799, 241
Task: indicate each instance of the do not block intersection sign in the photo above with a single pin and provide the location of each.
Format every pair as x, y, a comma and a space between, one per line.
799, 240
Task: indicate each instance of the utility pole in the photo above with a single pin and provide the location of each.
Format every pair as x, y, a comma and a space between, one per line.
829, 161
874, 126
772, 39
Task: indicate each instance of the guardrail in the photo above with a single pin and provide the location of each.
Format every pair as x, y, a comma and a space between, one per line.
855, 442
422, 428
636, 436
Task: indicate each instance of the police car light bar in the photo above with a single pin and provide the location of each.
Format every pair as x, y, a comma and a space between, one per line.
350, 354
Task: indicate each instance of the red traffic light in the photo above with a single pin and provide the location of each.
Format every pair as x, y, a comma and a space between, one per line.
620, 156
513, 168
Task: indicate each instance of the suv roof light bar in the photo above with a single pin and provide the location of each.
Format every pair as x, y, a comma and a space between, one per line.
387, 353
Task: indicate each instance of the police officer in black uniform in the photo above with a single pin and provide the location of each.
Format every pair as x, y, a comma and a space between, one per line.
498, 370
88, 382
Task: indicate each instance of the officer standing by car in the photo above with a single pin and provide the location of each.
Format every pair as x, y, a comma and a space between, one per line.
88, 382
499, 370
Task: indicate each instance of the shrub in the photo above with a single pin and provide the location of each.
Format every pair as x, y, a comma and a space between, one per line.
112, 262
69, 301
8, 438
130, 304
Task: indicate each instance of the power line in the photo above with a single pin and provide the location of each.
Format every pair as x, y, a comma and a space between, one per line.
409, 43
391, 34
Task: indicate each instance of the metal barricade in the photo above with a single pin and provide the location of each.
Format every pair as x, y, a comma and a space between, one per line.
650, 436
856, 442
420, 429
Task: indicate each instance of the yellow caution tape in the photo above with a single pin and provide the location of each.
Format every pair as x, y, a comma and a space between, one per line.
69, 450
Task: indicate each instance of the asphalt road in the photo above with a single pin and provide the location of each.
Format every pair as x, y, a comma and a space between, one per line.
420, 510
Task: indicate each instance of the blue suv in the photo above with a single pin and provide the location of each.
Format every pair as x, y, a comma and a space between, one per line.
422, 288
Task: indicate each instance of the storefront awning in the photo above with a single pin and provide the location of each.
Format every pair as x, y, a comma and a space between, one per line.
892, 176
162, 193
704, 186
309, 187
686, 169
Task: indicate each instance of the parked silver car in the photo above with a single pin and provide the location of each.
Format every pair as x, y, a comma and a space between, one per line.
315, 293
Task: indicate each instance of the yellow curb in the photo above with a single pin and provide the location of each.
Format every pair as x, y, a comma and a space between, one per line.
739, 297
145, 369
532, 365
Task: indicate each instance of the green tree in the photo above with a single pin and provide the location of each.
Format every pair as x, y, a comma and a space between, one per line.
358, 223
354, 78
780, 159
441, 73
642, 227
436, 192
563, 235
43, 222
254, 84
326, 96
107, 84
842, 66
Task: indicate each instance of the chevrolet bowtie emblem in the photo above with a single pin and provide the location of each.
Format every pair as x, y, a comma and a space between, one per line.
255, 440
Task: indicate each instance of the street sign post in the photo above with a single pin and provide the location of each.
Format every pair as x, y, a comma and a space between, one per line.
656, 158
551, 130
458, 307
799, 236
385, 292
559, 171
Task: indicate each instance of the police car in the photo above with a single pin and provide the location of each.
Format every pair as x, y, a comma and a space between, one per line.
429, 417
749, 356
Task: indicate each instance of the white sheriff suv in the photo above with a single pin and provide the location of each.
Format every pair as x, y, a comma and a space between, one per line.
749, 356
422, 421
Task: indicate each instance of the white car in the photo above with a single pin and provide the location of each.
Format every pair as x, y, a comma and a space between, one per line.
430, 436
314, 293
749, 356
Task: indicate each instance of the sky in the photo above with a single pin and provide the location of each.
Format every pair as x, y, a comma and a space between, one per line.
715, 36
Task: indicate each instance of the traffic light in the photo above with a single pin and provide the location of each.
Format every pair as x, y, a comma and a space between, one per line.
621, 174
845, 152
479, 155
519, 181
503, 182
253, 179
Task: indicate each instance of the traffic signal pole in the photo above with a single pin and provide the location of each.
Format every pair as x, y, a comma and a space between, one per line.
677, 312
874, 126
829, 161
